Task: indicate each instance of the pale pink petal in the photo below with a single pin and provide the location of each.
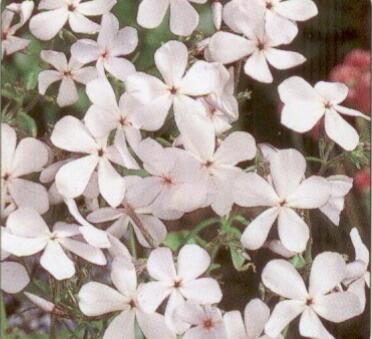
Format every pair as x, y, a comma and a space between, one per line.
124, 276
332, 92
80, 24
122, 326
203, 291
85, 251
280, 28
257, 68
46, 25
151, 13
70, 134
361, 250
256, 315
283, 313
111, 184
283, 59
8, 145
120, 143
153, 326
282, 278
21, 246
119, 67
234, 325
312, 327
287, 168
42, 303
46, 78
15, 44
56, 59
350, 112
29, 194
297, 89
183, 17
155, 229
340, 131
227, 47
152, 294
56, 262
160, 264
26, 222
125, 42
85, 75
358, 287
327, 271
104, 214
171, 61
192, 262
293, 231
31, 155
67, 93
96, 7
258, 230
297, 10
235, 148
73, 178
14, 277
85, 51
99, 120
96, 299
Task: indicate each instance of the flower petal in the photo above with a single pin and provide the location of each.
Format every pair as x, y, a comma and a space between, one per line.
8, 145
283, 59
257, 68
14, 277
125, 41
312, 327
160, 264
183, 17
21, 246
333, 92
80, 24
85, 251
46, 78
234, 324
256, 315
67, 93
151, 14
203, 291
152, 294
297, 10
122, 326
124, 276
119, 67
192, 262
153, 326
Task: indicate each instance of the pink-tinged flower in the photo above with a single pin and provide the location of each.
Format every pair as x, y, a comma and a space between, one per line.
178, 283
256, 46
71, 134
287, 191
281, 16
29, 156
358, 275
217, 162
108, 51
362, 180
173, 171
205, 322
340, 186
134, 211
305, 105
26, 234
179, 87
319, 300
183, 17
9, 42
14, 277
96, 299
256, 315
217, 8
42, 303
66, 72
47, 24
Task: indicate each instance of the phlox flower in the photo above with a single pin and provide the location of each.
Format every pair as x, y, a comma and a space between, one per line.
14, 277
135, 212
288, 191
26, 234
256, 314
29, 156
305, 105
56, 13
256, 46
108, 51
96, 299
358, 275
217, 162
205, 322
183, 17
178, 283
66, 72
178, 88
71, 134
319, 300
9, 42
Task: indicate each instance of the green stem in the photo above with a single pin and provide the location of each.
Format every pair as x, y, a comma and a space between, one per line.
133, 248
201, 226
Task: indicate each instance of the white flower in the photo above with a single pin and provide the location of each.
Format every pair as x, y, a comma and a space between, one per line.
14, 277
221, 107
217, 163
340, 185
111, 45
66, 72
26, 234
277, 247
47, 24
304, 106
132, 210
72, 178
256, 314
288, 191
180, 283
205, 321
96, 299
9, 42
281, 16
357, 271
256, 45
217, 14
327, 272
29, 156
178, 87
172, 171
183, 17
106, 115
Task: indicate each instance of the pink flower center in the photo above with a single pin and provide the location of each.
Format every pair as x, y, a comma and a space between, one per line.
208, 324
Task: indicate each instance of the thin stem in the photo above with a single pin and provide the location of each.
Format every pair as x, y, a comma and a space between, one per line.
132, 240
201, 226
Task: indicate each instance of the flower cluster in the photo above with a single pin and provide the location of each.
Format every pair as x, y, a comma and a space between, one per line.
98, 192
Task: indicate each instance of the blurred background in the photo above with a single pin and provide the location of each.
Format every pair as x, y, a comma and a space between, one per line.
336, 44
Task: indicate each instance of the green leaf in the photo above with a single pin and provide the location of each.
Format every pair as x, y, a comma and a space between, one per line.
238, 258
175, 240
3, 322
26, 123
31, 79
